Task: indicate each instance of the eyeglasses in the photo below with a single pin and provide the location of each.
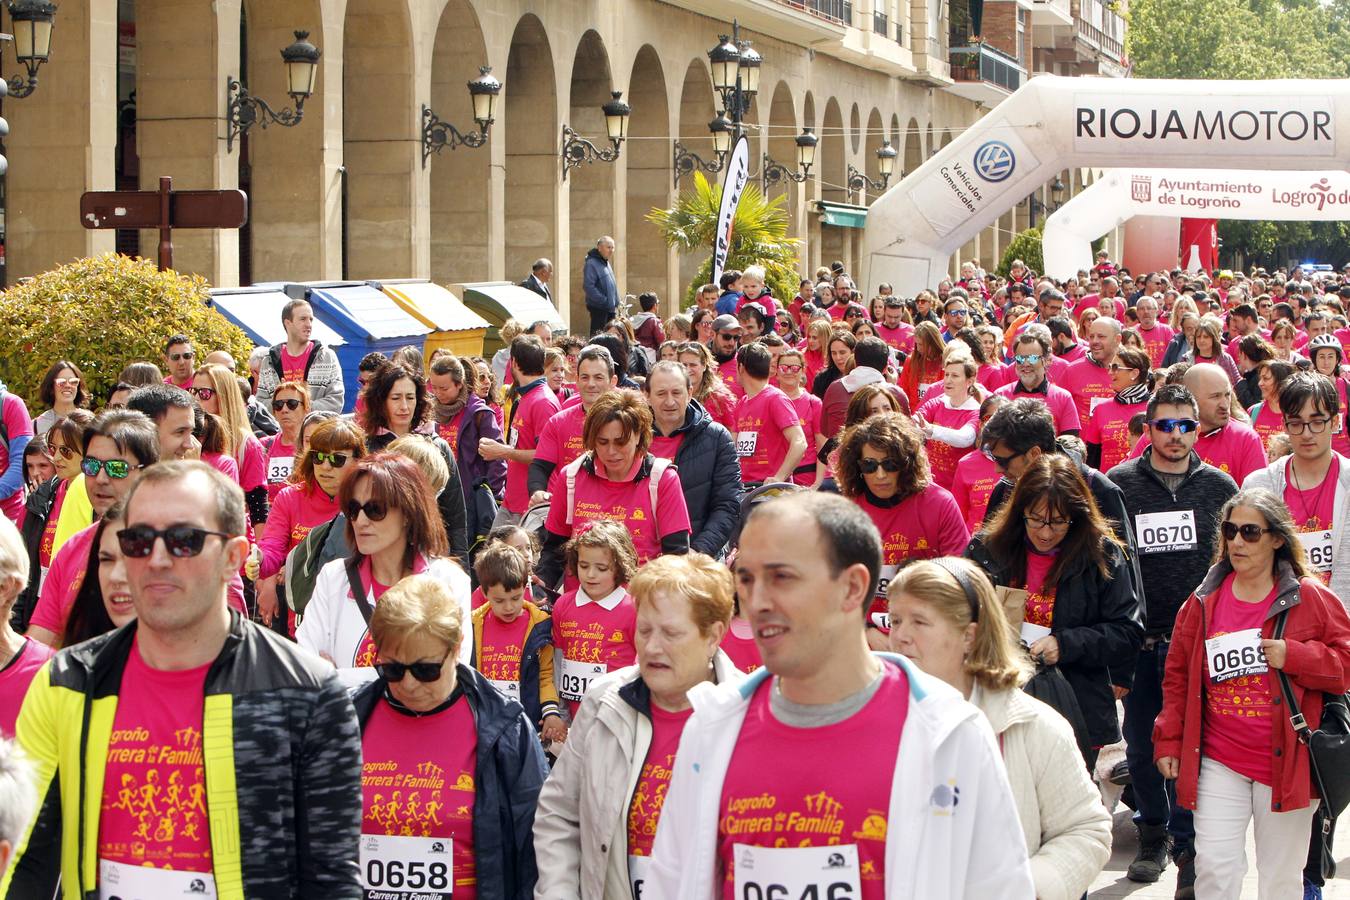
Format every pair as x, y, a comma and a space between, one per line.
186, 354
1002, 461
202, 393
116, 468
424, 672
958, 313
1037, 523
1029, 359
66, 452
869, 466
66, 382
375, 510
1250, 533
1315, 426
788, 368
336, 460
290, 403
181, 541
1167, 426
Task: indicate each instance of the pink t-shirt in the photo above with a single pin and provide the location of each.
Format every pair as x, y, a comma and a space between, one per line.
528, 418
809, 409
417, 780
154, 786
1061, 403
760, 422
1313, 509
649, 795
225, 464
739, 644
1233, 344
449, 431
560, 441
1109, 426
922, 526
49, 530
252, 465
628, 501
503, 644
293, 367
666, 447
728, 372
1040, 608
1235, 448
1238, 715
17, 424
280, 464
1086, 380
901, 337
764, 300
976, 475
1267, 424
298, 509
64, 577
797, 802
588, 634
943, 457
1340, 440
1156, 341
15, 677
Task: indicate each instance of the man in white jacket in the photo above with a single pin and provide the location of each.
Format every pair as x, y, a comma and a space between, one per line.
833, 772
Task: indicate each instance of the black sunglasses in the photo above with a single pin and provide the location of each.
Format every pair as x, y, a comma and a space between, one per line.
1002, 461
424, 672
868, 466
289, 403
1250, 533
138, 541
375, 511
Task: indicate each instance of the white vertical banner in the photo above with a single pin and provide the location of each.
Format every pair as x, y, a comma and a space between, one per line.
738, 172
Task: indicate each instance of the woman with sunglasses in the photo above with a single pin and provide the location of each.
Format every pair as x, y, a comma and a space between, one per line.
290, 405
882, 468
1107, 429
1224, 732
468, 829
217, 392
1081, 613
709, 389
62, 392
393, 530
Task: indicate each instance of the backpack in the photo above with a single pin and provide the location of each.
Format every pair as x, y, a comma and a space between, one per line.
659, 466
302, 568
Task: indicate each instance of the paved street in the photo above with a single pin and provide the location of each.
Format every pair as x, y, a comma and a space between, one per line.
1113, 883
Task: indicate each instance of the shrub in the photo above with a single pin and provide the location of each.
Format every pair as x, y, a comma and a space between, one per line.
1026, 247
101, 313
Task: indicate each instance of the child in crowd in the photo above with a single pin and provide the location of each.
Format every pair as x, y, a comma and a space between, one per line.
513, 638
37, 465
594, 625
527, 543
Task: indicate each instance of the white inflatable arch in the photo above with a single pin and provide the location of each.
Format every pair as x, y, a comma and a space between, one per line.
1122, 194
1054, 123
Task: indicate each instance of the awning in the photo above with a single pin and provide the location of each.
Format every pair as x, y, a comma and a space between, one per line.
842, 215
498, 301
257, 310
437, 307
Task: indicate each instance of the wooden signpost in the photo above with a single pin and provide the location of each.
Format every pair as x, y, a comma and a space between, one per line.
164, 209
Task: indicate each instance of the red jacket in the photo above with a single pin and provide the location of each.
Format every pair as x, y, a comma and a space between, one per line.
1317, 636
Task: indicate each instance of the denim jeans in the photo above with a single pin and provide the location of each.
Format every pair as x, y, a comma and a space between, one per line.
1155, 798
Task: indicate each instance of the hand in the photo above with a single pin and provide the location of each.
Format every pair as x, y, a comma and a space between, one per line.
540, 497
1046, 650
1119, 691
553, 728
490, 449
253, 563
267, 600
1169, 766
1276, 653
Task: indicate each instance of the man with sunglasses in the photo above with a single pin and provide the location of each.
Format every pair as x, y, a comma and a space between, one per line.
955, 314
179, 360
1031, 357
298, 358
1172, 496
193, 715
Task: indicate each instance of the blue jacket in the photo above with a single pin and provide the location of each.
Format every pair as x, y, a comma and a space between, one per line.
479, 422
510, 771
710, 476
597, 280
726, 303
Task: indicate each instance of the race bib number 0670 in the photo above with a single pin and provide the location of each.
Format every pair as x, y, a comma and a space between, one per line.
1165, 532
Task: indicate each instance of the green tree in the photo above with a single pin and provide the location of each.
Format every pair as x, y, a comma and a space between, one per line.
759, 234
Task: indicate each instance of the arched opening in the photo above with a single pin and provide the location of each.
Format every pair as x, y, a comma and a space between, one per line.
782, 146
380, 143
876, 133
591, 206
854, 128
833, 177
459, 178
649, 180
696, 111
531, 134
913, 146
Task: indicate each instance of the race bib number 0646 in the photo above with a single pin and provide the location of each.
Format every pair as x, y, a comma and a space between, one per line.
797, 873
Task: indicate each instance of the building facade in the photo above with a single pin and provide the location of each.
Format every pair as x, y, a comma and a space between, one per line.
136, 89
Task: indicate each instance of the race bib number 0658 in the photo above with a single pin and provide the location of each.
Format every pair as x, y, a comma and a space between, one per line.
405, 867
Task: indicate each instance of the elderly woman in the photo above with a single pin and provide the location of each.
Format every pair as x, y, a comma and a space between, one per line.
599, 809
1107, 428
426, 713
1080, 611
882, 467
21, 657
947, 619
617, 477
1259, 617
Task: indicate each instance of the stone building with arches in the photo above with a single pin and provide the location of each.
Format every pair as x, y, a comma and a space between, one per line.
136, 89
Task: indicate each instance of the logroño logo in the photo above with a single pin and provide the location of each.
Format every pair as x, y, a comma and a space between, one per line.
1141, 188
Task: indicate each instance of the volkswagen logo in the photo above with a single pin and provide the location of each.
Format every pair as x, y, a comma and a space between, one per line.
994, 161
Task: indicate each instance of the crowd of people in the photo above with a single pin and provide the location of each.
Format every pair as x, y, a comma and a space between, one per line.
601, 617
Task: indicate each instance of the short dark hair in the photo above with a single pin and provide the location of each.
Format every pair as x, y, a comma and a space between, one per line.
229, 499
1028, 337
176, 339
756, 359
1021, 425
618, 350
536, 323
1172, 395
288, 311
1060, 326
872, 352
596, 353
527, 351
849, 537
729, 277
132, 432
372, 361
502, 564
648, 300
1301, 387
155, 400
1243, 311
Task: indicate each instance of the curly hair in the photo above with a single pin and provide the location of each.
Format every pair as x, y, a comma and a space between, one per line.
892, 434
604, 534
860, 404
377, 392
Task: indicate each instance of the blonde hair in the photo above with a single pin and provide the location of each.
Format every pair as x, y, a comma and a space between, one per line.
510, 330
994, 660
701, 580
427, 457
233, 414
13, 554
418, 604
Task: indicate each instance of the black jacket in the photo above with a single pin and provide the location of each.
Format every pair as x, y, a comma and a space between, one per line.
1096, 622
1248, 390
37, 510
710, 476
510, 771
538, 640
1170, 577
450, 500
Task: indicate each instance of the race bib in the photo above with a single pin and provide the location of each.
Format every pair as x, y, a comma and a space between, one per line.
407, 867
1096, 402
1317, 544
638, 868
512, 436
279, 468
576, 678
746, 441
1165, 532
1031, 633
509, 688
127, 882
790, 873
887, 576
882, 620
1235, 654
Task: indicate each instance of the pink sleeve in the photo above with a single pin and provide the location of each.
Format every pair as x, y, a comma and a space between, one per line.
961, 491
954, 534
672, 516
17, 421
58, 591
276, 541
1252, 458
1069, 410
547, 449
814, 424
253, 469
557, 512
784, 414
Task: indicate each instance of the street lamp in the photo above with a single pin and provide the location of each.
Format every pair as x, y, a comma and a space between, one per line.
886, 155
32, 24
577, 149
772, 172
1037, 206
245, 110
687, 161
438, 135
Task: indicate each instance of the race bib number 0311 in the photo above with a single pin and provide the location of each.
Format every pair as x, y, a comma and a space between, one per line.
797, 873
1165, 532
401, 868
1235, 654
576, 678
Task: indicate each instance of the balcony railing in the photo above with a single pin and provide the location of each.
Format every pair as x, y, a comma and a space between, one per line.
1110, 45
981, 62
880, 23
835, 10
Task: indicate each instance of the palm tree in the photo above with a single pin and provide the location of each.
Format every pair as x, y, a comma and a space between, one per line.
758, 234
